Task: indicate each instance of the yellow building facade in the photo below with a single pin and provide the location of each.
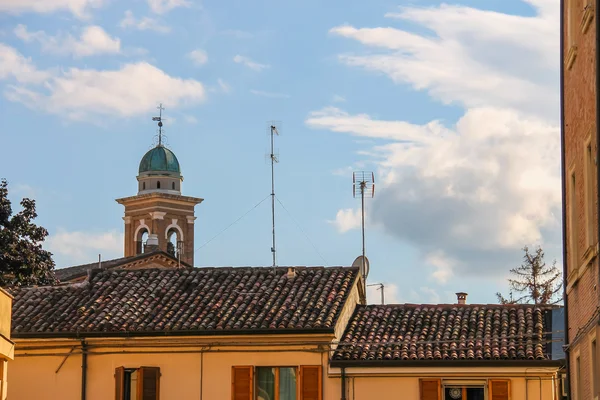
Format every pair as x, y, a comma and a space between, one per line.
7, 347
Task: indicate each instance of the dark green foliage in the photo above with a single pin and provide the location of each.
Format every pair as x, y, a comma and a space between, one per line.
22, 259
534, 281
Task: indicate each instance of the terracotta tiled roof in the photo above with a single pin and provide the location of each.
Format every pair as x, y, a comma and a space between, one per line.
195, 301
77, 271
444, 332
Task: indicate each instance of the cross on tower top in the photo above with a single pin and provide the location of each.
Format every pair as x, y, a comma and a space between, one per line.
160, 124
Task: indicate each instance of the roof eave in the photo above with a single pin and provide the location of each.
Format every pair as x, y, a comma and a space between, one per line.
446, 363
132, 334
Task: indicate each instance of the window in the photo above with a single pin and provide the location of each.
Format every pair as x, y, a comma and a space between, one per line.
589, 194
276, 383
594, 369
572, 224
578, 388
173, 185
436, 389
570, 22
158, 184
137, 383
143, 185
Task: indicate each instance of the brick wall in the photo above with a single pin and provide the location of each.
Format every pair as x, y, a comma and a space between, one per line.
580, 114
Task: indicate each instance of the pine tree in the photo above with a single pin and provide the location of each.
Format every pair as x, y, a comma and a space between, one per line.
22, 259
536, 282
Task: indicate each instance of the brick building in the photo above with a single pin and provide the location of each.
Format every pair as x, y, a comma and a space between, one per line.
580, 194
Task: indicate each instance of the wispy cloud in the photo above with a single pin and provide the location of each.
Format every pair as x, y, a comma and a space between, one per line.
93, 41
249, 63
338, 99
198, 57
143, 24
79, 8
270, 94
163, 6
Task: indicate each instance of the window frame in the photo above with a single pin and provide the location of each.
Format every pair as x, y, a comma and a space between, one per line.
572, 222
122, 374
594, 370
577, 376
296, 369
589, 175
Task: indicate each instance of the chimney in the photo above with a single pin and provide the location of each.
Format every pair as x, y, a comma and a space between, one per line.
151, 243
461, 297
291, 272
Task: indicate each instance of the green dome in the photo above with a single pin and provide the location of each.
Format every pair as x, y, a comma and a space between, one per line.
160, 159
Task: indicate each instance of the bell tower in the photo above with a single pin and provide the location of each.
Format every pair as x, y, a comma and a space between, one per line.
159, 217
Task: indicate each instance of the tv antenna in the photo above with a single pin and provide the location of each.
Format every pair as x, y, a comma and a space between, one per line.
381, 287
274, 159
363, 185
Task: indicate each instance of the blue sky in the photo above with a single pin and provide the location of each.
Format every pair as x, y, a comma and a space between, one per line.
452, 109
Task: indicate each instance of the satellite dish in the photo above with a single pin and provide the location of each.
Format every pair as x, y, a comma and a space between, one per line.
358, 262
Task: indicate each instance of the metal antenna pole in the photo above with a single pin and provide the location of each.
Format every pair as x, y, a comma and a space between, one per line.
160, 124
363, 184
273, 161
362, 200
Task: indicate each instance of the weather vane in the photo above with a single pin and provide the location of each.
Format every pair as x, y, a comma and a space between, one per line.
160, 124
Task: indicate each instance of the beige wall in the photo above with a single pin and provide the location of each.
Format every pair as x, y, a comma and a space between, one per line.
188, 371
200, 368
403, 383
6, 345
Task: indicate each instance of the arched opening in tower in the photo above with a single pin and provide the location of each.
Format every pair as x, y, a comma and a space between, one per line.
174, 243
140, 241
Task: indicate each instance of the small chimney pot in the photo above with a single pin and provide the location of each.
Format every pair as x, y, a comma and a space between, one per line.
461, 297
291, 272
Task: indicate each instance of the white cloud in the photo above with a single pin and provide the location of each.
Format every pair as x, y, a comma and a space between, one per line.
468, 195
92, 41
84, 93
347, 219
163, 6
143, 24
79, 247
338, 99
79, 8
198, 57
518, 73
270, 94
13, 65
443, 266
337, 120
249, 63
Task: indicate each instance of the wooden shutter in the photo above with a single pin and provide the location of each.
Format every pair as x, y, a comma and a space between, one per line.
499, 390
310, 382
431, 389
119, 379
148, 383
241, 383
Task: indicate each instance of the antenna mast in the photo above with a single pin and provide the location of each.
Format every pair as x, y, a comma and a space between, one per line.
363, 184
160, 124
274, 160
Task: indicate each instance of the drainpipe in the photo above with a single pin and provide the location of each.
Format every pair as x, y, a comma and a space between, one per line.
83, 369
564, 192
343, 384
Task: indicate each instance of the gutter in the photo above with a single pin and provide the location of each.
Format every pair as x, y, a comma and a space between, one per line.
130, 334
564, 192
445, 363
83, 370
343, 378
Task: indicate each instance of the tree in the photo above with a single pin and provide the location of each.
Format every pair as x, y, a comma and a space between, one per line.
22, 259
536, 282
